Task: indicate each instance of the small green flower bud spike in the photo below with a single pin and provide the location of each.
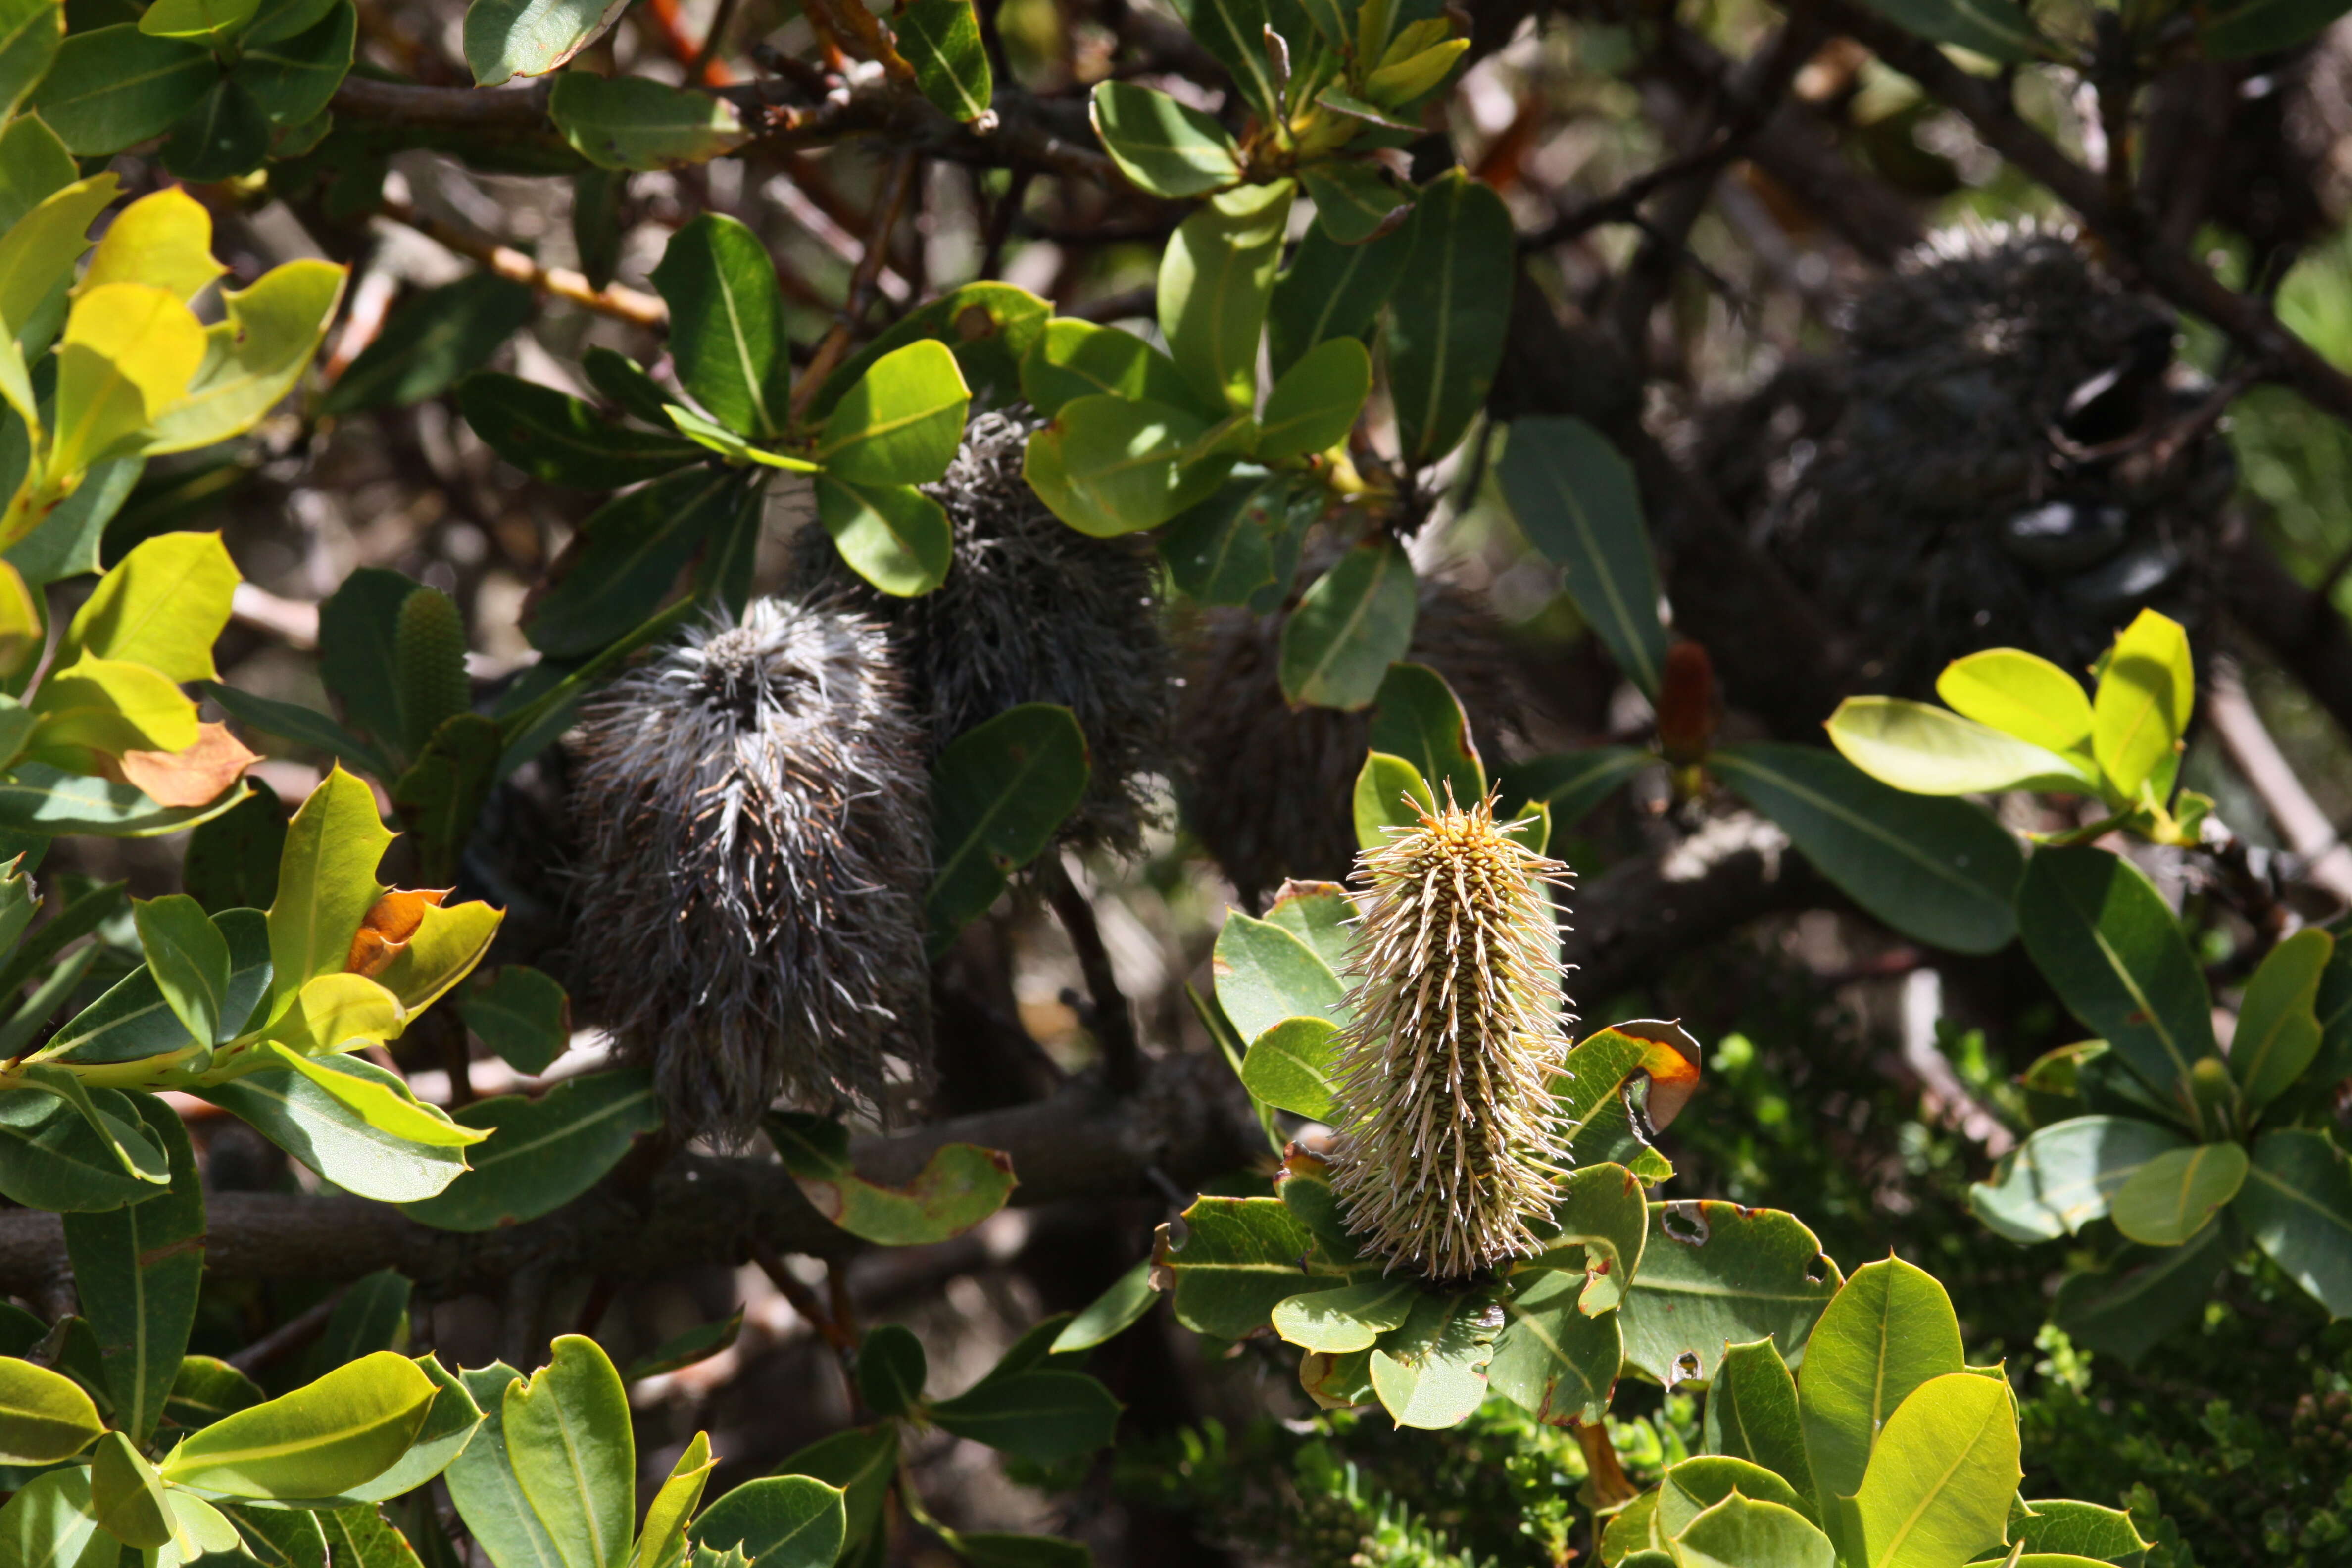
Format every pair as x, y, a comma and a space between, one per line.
1444, 1151
428, 666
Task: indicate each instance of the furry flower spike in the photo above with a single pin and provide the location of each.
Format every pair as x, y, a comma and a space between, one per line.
1444, 1085
756, 840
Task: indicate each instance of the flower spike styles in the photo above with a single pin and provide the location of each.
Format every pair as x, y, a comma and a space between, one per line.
1445, 1081
756, 839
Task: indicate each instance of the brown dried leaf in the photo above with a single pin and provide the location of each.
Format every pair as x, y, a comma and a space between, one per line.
190, 777
392, 919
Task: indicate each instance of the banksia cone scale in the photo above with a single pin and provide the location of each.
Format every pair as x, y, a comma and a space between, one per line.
428, 664
755, 832
1031, 611
1444, 1153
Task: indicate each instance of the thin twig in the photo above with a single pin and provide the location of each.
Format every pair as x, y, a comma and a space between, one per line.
621, 303
1111, 1019
2327, 864
288, 1336
864, 284
700, 68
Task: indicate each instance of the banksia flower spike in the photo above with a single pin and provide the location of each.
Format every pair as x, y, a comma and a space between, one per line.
1446, 1071
752, 808
1031, 611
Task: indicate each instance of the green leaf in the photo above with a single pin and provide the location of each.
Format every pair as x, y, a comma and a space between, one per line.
1109, 466
1241, 540
2064, 1175
940, 38
1295, 1066
2176, 1194
389, 1107
1599, 1229
1076, 359
891, 1370
293, 79
449, 1426
2297, 1205
1163, 147
543, 1154
1925, 750
2261, 26
1110, 1314
189, 959
50, 1159
125, 1495
1313, 406
1554, 1359
131, 1021
1331, 290
1448, 312
727, 327
1693, 1486
207, 1388
1575, 499
1041, 1415
1215, 279
2023, 695
1889, 1331
226, 134
638, 543
358, 629
431, 342
30, 32
442, 796
1992, 28
1941, 871
696, 1345
574, 1452
33, 162
507, 38
1741, 1531
206, 21
1417, 717
361, 1537
140, 1269
998, 792
50, 1523
1239, 1259
900, 422
43, 1416
483, 1484
662, 1542
1353, 201
561, 439
523, 1015
1354, 622
339, 1432
1388, 798
990, 328
326, 882
1752, 1414
1265, 975
1942, 1474
1716, 1274
2142, 705
960, 1184
325, 1133
2278, 1020
1571, 783
1235, 32
894, 536
736, 449
112, 87
1430, 1372
636, 122
2108, 944
1351, 1318
2060, 1527
786, 1521
255, 354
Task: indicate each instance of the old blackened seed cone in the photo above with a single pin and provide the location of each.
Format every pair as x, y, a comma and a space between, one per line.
1444, 1151
1031, 611
753, 815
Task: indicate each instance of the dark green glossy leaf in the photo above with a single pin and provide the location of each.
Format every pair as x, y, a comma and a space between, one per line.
1448, 312
998, 793
542, 1152
112, 87
940, 38
1575, 497
727, 327
1164, 147
1354, 622
431, 342
636, 546
1331, 290
561, 439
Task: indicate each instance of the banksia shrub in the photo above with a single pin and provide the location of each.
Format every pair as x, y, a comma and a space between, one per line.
1031, 611
1444, 1151
1268, 788
755, 831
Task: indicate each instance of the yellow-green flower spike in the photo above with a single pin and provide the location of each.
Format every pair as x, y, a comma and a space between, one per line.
428, 660
1444, 1153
